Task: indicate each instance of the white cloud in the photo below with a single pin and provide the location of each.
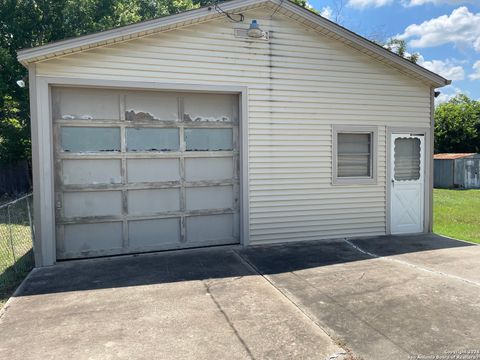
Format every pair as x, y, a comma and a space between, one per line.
368, 3
461, 27
447, 93
449, 69
327, 12
476, 74
409, 3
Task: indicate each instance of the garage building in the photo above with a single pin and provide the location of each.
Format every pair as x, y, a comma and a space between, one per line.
195, 130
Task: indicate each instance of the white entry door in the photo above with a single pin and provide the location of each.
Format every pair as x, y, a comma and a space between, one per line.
407, 181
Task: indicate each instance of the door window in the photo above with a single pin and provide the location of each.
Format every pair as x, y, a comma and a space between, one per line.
407, 159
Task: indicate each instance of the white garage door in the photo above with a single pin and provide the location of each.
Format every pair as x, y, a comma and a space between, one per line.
144, 170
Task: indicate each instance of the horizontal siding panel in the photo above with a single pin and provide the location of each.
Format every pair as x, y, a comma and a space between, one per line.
296, 231
262, 214
313, 219
299, 85
313, 236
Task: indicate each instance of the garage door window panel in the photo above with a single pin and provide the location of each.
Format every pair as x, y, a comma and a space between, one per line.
70, 104
92, 203
153, 170
151, 106
147, 202
210, 108
91, 172
209, 139
152, 139
210, 197
90, 139
207, 169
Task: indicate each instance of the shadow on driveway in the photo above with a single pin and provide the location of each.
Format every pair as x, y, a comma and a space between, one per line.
218, 262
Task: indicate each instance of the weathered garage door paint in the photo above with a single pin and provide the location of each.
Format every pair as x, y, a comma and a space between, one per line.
144, 170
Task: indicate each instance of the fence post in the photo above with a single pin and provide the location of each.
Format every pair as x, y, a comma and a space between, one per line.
32, 229
11, 237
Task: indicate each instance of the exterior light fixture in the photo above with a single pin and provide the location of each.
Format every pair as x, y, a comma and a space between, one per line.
21, 83
254, 30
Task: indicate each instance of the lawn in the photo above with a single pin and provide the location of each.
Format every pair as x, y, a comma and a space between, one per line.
457, 214
16, 258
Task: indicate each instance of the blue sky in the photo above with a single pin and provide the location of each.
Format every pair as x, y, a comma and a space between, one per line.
445, 32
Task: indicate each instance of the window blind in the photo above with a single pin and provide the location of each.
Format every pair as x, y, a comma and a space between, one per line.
354, 155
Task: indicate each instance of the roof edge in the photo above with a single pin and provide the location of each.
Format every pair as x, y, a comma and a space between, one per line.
27, 56
436, 79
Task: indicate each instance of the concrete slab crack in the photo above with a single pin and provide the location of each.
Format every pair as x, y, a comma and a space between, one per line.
229, 322
406, 263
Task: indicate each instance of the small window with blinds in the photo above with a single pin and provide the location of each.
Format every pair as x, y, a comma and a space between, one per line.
354, 155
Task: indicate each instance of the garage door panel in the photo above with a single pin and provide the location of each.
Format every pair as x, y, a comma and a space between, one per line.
210, 229
153, 139
90, 239
210, 108
212, 197
91, 172
199, 169
86, 104
145, 202
157, 232
90, 139
143, 105
153, 170
158, 169
209, 139
92, 203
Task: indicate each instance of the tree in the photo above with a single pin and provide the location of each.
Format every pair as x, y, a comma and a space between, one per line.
457, 125
29, 23
14, 134
399, 47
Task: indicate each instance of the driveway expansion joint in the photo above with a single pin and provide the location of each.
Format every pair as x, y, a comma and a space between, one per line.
345, 354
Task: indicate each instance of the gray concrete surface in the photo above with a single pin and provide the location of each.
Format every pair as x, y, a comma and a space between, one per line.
387, 297
204, 304
380, 298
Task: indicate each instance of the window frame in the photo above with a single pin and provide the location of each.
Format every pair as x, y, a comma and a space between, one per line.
355, 180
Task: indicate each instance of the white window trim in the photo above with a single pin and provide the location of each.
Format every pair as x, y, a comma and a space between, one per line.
357, 180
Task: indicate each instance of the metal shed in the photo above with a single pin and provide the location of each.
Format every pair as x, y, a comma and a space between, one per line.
457, 171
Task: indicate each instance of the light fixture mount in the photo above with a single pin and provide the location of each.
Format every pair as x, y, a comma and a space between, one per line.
254, 30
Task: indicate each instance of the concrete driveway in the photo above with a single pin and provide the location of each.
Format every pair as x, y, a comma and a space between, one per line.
378, 298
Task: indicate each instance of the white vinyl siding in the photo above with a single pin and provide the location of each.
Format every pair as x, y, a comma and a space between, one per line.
300, 83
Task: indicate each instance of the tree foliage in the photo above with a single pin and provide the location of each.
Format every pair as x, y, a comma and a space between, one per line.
399, 47
29, 23
457, 125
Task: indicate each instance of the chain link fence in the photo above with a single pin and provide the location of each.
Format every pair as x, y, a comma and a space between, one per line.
16, 234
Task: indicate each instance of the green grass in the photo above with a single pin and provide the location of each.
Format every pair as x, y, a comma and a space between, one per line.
16, 258
457, 214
